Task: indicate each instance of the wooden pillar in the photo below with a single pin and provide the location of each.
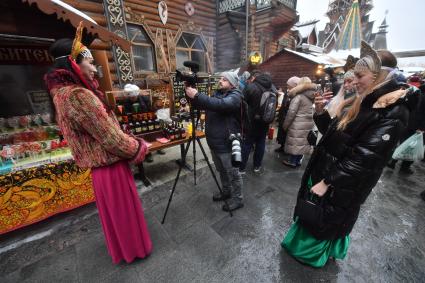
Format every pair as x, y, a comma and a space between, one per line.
101, 59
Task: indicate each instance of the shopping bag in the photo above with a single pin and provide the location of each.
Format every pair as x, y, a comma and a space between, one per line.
411, 149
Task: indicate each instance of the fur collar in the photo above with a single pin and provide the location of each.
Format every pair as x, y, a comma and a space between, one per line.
389, 98
301, 88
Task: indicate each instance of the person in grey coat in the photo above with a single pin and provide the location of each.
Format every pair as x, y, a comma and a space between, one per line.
299, 121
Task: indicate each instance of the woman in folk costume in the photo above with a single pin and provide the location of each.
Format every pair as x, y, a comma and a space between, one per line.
347, 162
97, 142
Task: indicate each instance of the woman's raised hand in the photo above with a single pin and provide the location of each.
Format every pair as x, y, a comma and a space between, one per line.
320, 101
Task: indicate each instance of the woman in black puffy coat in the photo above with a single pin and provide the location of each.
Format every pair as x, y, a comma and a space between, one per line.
348, 161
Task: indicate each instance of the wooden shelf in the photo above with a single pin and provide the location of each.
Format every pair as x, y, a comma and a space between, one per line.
156, 145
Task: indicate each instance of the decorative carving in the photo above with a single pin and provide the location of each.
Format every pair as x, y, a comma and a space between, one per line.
115, 12
171, 43
131, 16
161, 60
124, 65
228, 5
190, 10
117, 24
190, 27
120, 33
50, 7
210, 50
163, 12
138, 19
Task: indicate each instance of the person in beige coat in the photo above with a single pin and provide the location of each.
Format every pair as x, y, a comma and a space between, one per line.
299, 121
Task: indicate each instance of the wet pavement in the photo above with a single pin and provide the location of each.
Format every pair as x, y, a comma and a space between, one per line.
201, 243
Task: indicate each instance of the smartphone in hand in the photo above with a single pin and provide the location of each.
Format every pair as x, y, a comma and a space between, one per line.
319, 90
328, 87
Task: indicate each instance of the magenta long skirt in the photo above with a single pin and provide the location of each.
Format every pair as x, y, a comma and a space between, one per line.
121, 212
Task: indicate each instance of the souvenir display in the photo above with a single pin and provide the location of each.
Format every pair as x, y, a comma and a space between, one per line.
30, 141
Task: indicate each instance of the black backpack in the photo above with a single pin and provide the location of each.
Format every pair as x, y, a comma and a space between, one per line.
268, 105
244, 117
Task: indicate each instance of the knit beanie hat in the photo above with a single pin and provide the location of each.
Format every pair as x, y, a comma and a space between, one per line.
232, 77
293, 81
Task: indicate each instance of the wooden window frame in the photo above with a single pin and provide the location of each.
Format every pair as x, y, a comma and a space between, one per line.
143, 72
189, 50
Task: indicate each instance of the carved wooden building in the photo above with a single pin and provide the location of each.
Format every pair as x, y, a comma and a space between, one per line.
211, 32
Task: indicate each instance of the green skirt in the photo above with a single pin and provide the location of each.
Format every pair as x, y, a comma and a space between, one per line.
300, 244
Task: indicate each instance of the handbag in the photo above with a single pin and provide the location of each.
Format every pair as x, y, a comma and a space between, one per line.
312, 137
309, 208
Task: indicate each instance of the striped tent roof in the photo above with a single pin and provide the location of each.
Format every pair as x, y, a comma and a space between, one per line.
351, 33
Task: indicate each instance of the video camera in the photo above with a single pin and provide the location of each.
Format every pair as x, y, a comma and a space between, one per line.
190, 77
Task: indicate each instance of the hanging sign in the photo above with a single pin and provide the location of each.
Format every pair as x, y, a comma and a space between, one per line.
163, 11
28, 55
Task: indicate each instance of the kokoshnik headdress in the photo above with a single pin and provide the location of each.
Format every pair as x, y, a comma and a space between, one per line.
350, 63
79, 48
369, 60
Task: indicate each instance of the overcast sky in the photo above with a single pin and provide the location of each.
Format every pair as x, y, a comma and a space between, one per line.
405, 20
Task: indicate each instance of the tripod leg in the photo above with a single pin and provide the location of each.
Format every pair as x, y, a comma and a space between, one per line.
212, 171
176, 180
194, 162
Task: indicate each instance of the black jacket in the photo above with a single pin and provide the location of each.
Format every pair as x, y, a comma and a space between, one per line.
417, 117
223, 117
351, 161
252, 95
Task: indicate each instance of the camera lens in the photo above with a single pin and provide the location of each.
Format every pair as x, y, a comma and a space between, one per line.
236, 151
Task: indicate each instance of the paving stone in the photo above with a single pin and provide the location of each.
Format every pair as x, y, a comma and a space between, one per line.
60, 267
201, 243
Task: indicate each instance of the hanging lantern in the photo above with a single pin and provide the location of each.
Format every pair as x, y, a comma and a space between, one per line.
255, 58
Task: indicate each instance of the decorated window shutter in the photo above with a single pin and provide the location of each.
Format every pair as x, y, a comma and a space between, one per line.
161, 59
171, 44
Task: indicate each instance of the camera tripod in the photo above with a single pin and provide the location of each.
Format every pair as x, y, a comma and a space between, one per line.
193, 139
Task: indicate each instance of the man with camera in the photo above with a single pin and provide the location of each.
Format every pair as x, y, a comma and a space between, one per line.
222, 129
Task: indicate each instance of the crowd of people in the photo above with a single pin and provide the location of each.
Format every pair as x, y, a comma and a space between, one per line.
360, 121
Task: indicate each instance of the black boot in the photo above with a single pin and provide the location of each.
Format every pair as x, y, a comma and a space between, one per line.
280, 149
233, 204
406, 170
149, 158
219, 196
423, 195
392, 163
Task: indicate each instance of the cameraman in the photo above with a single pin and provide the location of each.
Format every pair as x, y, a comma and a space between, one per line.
222, 120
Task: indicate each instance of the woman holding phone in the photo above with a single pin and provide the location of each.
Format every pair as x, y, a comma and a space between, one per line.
347, 162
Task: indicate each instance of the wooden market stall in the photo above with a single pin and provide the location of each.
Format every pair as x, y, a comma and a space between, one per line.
287, 63
38, 177
140, 42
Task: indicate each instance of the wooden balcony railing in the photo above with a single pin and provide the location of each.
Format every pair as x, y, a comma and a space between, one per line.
229, 5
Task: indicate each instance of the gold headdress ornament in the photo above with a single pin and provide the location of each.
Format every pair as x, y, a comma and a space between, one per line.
77, 47
368, 59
